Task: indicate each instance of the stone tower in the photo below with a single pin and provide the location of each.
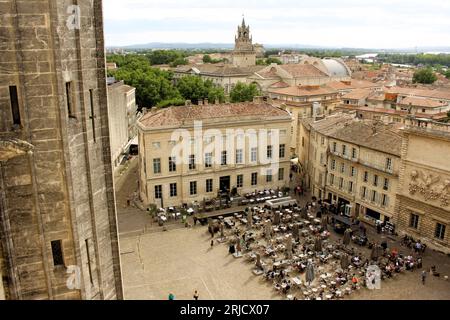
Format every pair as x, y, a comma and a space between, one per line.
244, 53
58, 226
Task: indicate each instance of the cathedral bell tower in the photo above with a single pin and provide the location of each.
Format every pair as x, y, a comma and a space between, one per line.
244, 54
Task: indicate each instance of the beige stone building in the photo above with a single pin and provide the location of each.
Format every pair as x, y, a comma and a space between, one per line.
320, 72
395, 104
243, 68
352, 163
58, 229
199, 172
304, 102
122, 112
423, 200
224, 75
244, 53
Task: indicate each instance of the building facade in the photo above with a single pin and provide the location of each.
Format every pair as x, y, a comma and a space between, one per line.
354, 164
122, 111
244, 53
304, 102
423, 199
395, 104
57, 206
221, 161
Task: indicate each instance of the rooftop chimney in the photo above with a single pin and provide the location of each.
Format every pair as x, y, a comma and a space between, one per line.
257, 99
187, 103
200, 102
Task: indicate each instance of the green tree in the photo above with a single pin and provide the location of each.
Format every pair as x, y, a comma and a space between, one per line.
243, 92
152, 85
207, 58
260, 62
216, 94
195, 88
171, 102
447, 74
425, 76
179, 61
273, 60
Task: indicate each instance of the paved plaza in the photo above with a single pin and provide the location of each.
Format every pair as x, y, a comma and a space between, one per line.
180, 260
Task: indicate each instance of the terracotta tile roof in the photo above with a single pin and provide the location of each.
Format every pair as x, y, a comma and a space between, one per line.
268, 74
422, 102
427, 93
279, 84
212, 113
299, 91
303, 70
367, 133
358, 94
219, 69
353, 84
400, 113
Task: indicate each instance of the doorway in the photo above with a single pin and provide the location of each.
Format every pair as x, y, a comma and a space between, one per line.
224, 184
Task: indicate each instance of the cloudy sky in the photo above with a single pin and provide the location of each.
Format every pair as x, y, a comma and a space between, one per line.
337, 23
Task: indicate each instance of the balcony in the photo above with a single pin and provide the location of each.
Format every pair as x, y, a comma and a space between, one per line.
377, 167
344, 156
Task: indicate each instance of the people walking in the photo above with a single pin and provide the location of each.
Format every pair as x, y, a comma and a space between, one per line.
171, 296
212, 243
424, 276
195, 295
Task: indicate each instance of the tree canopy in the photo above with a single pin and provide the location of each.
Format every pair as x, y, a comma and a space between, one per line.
195, 88
244, 92
417, 59
447, 74
152, 85
425, 76
273, 60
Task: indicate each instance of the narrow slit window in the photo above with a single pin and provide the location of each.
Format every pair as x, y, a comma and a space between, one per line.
92, 117
69, 99
58, 259
14, 105
89, 261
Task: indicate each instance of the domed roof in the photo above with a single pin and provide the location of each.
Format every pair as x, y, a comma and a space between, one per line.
336, 68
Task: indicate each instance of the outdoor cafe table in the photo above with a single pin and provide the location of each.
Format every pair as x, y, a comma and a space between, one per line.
297, 281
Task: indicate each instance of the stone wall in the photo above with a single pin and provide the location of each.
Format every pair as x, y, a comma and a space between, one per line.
424, 186
118, 119
63, 190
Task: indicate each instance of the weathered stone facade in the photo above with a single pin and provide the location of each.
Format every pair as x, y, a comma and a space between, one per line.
122, 111
353, 163
423, 198
53, 96
244, 53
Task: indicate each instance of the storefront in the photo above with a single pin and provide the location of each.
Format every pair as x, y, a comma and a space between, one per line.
371, 215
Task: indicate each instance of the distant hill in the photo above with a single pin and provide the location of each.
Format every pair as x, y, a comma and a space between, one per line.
229, 46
